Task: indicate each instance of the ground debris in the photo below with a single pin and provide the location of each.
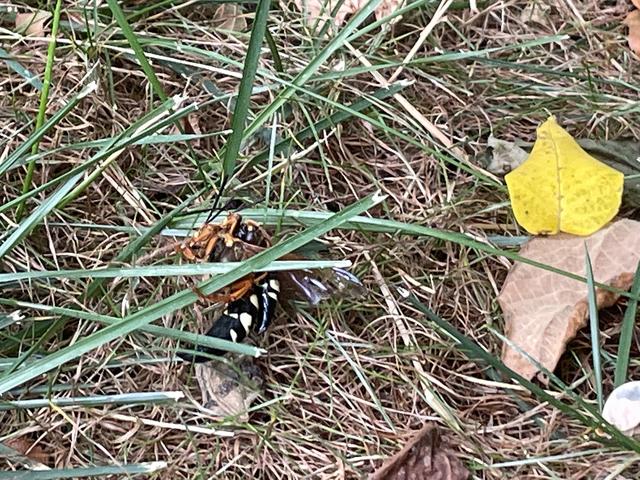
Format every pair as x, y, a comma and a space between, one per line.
423, 458
228, 392
26, 453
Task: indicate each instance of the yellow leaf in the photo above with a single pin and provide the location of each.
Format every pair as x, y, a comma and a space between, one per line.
561, 188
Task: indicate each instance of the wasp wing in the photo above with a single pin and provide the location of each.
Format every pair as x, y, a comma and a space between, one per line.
310, 285
317, 285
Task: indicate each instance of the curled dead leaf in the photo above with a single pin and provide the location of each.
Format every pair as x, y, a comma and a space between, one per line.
544, 310
423, 458
228, 392
505, 156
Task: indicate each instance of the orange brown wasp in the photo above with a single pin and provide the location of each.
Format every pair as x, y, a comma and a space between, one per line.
251, 301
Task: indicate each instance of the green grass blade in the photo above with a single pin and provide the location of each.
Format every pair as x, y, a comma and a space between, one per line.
286, 217
141, 128
137, 245
182, 299
37, 215
594, 328
20, 70
548, 458
407, 8
152, 121
139, 398
363, 380
168, 270
131, 37
273, 48
44, 99
182, 336
336, 43
626, 332
85, 472
130, 136
241, 110
9, 319
101, 143
330, 121
39, 133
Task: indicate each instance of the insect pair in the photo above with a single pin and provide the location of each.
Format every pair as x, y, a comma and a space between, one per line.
251, 301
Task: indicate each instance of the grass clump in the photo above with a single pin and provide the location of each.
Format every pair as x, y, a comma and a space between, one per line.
151, 104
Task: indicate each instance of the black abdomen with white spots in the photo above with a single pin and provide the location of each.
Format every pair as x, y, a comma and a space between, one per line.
253, 311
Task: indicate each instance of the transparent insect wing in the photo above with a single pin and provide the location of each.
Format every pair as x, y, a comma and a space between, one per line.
348, 284
308, 290
317, 285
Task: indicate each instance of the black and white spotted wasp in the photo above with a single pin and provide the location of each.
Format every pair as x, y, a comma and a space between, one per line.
251, 301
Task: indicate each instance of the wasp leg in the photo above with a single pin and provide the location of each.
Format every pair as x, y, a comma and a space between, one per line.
230, 225
186, 252
258, 277
210, 246
229, 240
205, 236
240, 288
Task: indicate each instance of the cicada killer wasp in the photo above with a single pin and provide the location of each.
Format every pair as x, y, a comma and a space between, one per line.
251, 301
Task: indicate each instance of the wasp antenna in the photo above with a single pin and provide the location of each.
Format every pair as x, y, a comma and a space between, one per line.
214, 212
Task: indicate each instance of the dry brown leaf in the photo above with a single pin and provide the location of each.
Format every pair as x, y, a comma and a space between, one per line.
24, 445
191, 126
423, 458
32, 23
544, 310
633, 22
228, 392
314, 10
229, 16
